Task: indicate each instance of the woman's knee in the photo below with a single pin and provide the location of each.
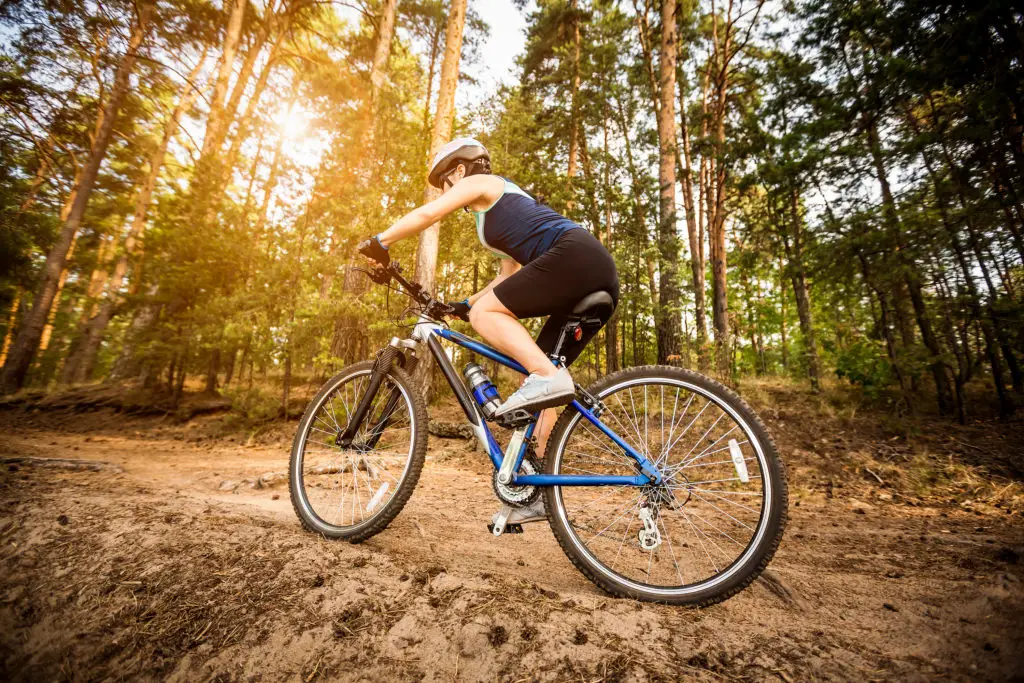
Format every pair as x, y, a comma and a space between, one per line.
487, 305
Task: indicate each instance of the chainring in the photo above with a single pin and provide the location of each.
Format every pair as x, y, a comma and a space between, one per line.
519, 496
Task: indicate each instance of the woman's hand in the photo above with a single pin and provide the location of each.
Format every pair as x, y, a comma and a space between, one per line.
460, 309
374, 250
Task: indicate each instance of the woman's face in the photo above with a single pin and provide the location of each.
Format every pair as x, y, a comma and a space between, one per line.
455, 176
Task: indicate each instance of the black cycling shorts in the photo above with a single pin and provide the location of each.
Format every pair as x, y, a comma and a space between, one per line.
552, 284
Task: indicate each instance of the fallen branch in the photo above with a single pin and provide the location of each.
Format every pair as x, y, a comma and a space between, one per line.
64, 464
450, 430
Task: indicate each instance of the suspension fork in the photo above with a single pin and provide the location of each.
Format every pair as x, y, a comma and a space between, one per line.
381, 367
384, 417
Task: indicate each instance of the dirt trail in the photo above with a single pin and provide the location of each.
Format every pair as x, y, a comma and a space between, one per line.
155, 572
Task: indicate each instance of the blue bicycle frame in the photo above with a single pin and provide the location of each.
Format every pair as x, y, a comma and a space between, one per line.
430, 332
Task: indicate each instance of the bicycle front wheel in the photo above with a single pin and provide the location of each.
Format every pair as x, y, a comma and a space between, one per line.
709, 529
355, 492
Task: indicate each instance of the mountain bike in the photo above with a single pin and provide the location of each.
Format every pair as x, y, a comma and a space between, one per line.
660, 484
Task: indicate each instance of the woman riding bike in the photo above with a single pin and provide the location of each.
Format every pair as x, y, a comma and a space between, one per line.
548, 264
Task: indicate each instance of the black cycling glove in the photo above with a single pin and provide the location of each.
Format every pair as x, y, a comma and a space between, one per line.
460, 309
374, 250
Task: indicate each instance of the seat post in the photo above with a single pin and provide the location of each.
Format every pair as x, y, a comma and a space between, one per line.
557, 352
567, 328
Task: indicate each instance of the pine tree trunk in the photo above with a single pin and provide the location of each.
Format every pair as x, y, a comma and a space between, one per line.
212, 370
252, 54
717, 177
638, 204
383, 48
668, 319
91, 305
229, 368
435, 38
217, 123
245, 122
429, 240
426, 252
128, 363
51, 316
12, 319
800, 292
612, 328
696, 242
887, 334
23, 350
963, 190
574, 107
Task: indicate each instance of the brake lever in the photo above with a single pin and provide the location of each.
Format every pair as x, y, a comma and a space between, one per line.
379, 274
438, 310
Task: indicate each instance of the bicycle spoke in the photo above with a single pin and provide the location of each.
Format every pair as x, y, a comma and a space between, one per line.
666, 445
668, 539
625, 512
623, 540
687, 429
704, 435
738, 522
636, 429
713, 444
732, 502
700, 539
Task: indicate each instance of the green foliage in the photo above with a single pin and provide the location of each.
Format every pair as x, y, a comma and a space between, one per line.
863, 363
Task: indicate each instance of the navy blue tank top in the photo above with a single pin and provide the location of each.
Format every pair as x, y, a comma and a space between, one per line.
519, 227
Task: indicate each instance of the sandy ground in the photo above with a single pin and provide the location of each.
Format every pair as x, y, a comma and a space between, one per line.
162, 571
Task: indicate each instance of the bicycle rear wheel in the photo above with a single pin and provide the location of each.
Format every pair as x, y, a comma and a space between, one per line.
355, 492
713, 525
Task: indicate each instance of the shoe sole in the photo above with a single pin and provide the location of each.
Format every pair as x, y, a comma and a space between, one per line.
521, 521
531, 519
549, 402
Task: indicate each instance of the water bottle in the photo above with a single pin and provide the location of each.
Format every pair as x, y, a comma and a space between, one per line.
483, 389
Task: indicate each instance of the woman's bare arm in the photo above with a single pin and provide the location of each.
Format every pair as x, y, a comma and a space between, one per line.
467, 192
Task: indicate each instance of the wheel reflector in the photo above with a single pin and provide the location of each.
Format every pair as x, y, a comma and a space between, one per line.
737, 460
377, 497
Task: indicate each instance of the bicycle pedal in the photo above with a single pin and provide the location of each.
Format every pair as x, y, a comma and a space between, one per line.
509, 529
514, 419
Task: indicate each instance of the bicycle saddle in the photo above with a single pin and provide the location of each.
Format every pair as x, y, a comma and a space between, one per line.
594, 305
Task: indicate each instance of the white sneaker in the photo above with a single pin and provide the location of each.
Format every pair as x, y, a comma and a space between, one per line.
540, 392
531, 513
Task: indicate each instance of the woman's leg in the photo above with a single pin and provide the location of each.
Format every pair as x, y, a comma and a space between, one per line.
545, 423
500, 327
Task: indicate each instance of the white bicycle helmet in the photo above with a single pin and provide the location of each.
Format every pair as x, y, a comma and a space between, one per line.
464, 150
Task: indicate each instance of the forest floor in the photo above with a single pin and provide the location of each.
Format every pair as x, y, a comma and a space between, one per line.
901, 561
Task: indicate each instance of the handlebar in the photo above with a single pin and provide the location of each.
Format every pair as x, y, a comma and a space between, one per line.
383, 274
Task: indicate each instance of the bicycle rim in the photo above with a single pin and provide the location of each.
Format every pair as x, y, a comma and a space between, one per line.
709, 518
347, 488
